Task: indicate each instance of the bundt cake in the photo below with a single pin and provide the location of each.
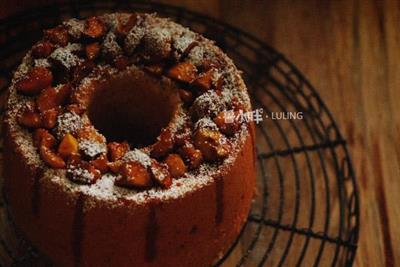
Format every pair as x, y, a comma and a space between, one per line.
126, 143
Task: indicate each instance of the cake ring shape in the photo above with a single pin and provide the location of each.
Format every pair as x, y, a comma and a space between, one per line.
126, 143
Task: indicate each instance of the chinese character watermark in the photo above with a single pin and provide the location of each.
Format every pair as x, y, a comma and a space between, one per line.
257, 116
248, 116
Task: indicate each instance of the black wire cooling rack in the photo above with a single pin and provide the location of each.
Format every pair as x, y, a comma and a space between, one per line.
306, 211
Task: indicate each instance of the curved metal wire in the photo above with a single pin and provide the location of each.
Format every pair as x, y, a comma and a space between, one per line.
302, 162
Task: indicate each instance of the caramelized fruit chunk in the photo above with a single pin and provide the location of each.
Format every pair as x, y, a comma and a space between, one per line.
49, 118
208, 64
90, 133
30, 119
164, 144
183, 72
176, 165
117, 150
57, 35
95, 28
226, 125
155, 47
68, 146
43, 49
82, 172
125, 26
92, 51
101, 163
63, 93
45, 141
204, 81
47, 99
191, 155
42, 137
161, 174
115, 166
74, 160
82, 70
212, 144
134, 174
51, 158
95, 172
186, 96
36, 80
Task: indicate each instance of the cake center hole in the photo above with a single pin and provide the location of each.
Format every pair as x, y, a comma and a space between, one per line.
132, 107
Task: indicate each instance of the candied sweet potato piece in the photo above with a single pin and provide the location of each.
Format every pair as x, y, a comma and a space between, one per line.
176, 165
95, 28
35, 81
183, 72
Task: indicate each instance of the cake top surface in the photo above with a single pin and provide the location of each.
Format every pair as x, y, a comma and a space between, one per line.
52, 91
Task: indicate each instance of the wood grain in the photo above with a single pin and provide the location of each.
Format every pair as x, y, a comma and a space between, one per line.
350, 51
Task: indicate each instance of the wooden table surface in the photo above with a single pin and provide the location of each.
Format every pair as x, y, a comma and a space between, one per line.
349, 50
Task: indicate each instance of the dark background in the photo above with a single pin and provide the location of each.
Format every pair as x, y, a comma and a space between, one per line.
350, 51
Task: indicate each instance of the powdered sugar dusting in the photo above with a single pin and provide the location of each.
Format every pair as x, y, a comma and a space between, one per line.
183, 41
42, 62
23, 140
157, 40
160, 173
68, 122
205, 123
216, 75
111, 20
109, 194
65, 56
23, 68
162, 35
92, 148
81, 173
139, 156
179, 120
103, 187
110, 45
196, 55
208, 104
75, 27
133, 38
